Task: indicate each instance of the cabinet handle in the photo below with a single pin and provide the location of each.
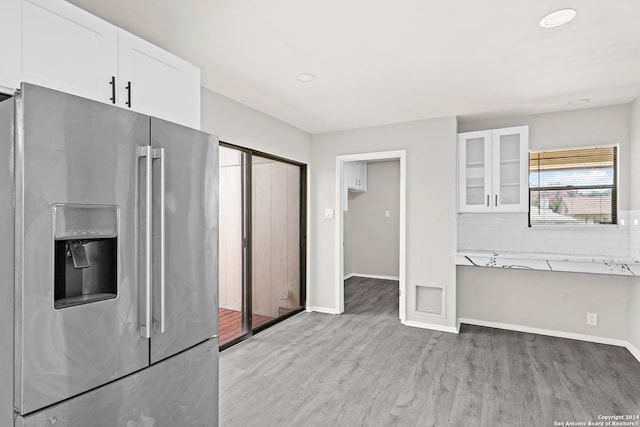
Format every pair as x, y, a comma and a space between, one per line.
128, 94
487, 200
113, 89
496, 200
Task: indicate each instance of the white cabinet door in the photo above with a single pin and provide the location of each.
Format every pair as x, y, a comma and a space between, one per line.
68, 49
362, 176
351, 174
510, 169
356, 176
474, 172
156, 82
10, 45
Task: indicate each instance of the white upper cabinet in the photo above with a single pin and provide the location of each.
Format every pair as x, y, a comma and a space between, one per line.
493, 169
474, 172
68, 49
511, 169
10, 45
157, 83
356, 176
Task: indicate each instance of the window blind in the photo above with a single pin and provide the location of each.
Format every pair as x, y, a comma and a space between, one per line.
573, 186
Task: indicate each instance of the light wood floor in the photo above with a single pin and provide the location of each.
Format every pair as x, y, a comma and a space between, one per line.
363, 368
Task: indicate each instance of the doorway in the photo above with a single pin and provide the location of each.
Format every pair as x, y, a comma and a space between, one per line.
342, 202
262, 255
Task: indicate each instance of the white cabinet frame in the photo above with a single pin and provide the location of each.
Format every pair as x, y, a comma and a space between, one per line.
489, 172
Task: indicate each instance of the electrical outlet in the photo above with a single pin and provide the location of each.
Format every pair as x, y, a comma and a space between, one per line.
592, 319
284, 294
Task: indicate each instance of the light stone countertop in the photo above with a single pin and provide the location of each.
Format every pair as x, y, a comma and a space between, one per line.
597, 264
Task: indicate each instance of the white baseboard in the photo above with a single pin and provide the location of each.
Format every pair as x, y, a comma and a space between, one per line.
321, 310
548, 332
432, 326
633, 350
370, 276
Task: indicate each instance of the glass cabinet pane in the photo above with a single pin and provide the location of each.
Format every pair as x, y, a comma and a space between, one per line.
510, 169
475, 171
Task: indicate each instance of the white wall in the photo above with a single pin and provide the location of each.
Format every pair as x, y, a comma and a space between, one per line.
556, 301
431, 205
634, 297
372, 240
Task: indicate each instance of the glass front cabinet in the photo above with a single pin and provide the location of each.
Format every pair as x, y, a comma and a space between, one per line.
493, 169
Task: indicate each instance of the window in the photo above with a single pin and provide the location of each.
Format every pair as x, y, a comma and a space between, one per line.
573, 186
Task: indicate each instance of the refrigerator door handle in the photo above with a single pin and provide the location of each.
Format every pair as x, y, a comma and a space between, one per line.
146, 153
159, 326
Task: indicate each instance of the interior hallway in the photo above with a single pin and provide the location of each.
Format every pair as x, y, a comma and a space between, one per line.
363, 368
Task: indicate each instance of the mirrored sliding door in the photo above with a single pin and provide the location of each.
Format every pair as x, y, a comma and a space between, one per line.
275, 243
262, 241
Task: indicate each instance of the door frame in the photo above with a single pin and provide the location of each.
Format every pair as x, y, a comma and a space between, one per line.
339, 224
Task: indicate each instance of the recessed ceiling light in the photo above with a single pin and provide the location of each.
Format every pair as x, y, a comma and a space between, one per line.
557, 18
579, 101
306, 77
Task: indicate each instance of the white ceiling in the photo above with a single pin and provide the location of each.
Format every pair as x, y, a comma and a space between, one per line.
382, 61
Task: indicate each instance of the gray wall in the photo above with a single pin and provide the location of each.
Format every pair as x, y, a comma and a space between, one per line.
431, 205
241, 125
555, 301
577, 128
634, 315
634, 137
519, 297
371, 240
634, 297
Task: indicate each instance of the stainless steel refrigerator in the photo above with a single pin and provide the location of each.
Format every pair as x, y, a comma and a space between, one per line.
109, 301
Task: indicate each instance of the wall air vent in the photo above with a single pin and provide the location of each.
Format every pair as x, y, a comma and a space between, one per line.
430, 300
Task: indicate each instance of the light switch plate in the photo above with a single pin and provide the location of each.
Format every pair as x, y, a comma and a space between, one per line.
328, 214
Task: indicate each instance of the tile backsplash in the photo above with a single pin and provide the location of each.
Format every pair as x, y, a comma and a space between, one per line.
510, 233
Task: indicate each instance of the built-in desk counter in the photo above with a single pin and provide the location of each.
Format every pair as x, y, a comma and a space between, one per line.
597, 264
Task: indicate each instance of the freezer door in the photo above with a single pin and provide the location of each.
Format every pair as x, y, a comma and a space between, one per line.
74, 151
186, 251
180, 391
7, 111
